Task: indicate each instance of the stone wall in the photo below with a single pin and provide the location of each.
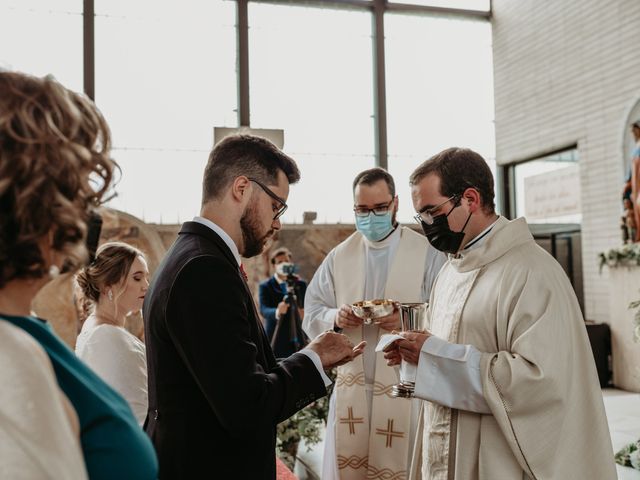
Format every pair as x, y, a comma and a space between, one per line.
57, 303
309, 244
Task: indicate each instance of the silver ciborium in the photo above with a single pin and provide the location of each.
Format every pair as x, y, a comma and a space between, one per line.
413, 316
370, 310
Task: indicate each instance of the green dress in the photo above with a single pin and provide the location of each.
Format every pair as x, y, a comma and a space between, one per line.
113, 444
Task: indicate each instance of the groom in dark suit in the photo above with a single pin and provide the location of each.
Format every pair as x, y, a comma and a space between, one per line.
216, 391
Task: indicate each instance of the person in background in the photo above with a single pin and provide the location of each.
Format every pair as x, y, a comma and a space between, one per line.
381, 260
274, 300
505, 365
54, 168
634, 179
114, 285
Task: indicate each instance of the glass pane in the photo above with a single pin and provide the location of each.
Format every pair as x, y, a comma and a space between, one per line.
159, 186
311, 75
439, 92
548, 189
165, 77
481, 5
43, 37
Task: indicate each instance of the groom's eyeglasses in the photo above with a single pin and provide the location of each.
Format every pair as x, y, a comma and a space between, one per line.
282, 205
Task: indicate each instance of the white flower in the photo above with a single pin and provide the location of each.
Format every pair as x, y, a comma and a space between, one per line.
634, 458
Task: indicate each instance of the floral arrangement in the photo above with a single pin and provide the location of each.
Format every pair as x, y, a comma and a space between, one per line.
629, 455
628, 254
636, 320
307, 424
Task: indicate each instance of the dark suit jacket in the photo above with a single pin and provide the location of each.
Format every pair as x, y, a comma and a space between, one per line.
216, 392
270, 295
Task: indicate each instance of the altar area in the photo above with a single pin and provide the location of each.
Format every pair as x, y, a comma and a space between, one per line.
622, 403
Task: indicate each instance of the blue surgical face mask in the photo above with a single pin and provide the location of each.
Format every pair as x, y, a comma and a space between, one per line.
375, 227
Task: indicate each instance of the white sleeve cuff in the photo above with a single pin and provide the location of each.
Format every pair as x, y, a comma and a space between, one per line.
449, 374
330, 318
315, 358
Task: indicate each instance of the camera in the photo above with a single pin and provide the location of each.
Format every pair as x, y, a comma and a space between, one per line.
288, 268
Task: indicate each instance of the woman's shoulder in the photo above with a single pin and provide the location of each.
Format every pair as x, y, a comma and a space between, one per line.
16, 346
108, 337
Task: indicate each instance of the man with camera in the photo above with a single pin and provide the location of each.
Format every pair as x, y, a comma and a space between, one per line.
277, 295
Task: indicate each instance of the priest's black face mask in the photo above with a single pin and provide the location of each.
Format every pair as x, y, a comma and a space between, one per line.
440, 235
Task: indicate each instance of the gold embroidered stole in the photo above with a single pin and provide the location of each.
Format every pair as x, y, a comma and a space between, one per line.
452, 290
379, 450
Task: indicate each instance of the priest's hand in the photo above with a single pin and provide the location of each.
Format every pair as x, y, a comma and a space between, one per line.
390, 322
410, 347
407, 349
346, 318
335, 349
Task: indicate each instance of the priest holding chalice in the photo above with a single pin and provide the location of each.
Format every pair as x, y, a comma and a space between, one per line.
357, 290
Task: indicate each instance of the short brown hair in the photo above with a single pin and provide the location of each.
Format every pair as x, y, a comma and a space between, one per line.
246, 155
459, 169
277, 252
54, 166
371, 176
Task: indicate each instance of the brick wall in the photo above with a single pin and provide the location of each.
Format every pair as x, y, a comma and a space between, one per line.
567, 72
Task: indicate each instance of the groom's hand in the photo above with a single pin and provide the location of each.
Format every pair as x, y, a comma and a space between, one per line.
335, 349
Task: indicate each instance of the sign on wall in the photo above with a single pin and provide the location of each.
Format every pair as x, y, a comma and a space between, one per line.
552, 194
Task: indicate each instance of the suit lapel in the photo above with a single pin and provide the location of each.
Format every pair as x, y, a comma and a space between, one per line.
196, 228
265, 353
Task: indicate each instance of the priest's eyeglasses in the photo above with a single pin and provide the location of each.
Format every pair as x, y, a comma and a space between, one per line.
278, 211
426, 214
364, 212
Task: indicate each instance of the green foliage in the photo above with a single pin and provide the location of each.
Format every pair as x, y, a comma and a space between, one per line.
306, 424
636, 320
626, 255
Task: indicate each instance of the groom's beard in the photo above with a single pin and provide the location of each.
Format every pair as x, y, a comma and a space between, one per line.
252, 237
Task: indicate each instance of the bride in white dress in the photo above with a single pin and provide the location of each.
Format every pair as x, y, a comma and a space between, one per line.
114, 285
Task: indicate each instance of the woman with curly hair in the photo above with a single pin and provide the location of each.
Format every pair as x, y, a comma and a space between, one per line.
54, 167
114, 286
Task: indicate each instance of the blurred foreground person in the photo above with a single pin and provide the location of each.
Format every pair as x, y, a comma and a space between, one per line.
54, 167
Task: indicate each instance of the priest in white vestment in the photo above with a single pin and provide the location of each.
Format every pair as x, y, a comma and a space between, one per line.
505, 366
369, 433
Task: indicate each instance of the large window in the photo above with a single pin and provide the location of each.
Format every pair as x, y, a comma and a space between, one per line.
43, 37
547, 189
311, 75
439, 92
165, 77
351, 85
481, 5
